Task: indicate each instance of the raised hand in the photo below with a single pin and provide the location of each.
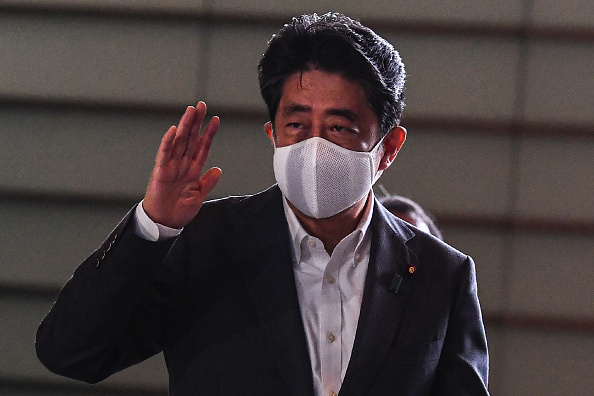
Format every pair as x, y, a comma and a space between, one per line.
175, 191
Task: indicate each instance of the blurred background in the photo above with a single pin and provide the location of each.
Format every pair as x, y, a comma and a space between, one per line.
500, 148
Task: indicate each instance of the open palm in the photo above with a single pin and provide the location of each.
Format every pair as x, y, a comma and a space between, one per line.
176, 190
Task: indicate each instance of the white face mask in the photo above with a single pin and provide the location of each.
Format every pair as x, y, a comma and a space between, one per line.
322, 178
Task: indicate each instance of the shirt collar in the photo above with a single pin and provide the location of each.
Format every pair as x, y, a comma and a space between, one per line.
298, 233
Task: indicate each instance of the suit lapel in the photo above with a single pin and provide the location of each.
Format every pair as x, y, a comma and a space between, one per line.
383, 302
264, 257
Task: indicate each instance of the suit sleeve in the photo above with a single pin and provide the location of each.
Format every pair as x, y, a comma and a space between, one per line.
109, 315
464, 364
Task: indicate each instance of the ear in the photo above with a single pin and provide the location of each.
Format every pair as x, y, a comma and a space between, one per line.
268, 130
392, 144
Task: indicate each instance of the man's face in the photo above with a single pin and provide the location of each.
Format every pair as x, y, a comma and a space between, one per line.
316, 103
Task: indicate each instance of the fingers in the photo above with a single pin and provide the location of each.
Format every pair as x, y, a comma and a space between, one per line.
206, 139
166, 146
188, 141
185, 126
197, 124
184, 138
185, 146
194, 130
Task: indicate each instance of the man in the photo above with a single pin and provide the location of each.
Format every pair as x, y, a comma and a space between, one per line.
308, 288
411, 212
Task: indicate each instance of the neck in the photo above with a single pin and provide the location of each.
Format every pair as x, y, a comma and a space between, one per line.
332, 230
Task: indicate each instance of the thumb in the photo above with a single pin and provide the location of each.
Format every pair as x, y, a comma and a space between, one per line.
209, 180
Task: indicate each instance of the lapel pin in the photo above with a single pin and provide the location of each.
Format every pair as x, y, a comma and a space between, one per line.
411, 268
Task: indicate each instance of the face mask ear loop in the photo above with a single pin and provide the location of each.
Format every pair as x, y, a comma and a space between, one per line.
379, 143
273, 135
373, 153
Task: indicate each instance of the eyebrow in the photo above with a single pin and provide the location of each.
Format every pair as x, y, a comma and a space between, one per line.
297, 108
345, 113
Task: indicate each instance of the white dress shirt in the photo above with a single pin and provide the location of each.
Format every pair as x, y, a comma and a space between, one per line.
149, 230
329, 288
330, 291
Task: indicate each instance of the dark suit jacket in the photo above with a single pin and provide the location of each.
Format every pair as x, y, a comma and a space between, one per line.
221, 303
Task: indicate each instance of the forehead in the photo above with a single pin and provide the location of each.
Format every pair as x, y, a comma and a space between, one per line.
320, 90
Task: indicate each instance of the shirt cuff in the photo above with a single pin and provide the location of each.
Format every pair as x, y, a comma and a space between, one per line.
147, 229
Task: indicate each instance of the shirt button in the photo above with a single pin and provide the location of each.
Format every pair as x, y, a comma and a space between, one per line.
331, 279
331, 337
333, 393
357, 257
311, 243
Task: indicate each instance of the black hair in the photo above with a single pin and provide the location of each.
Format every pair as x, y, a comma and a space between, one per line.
335, 43
397, 204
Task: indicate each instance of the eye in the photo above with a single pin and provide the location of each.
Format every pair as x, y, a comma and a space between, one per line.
294, 125
341, 129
